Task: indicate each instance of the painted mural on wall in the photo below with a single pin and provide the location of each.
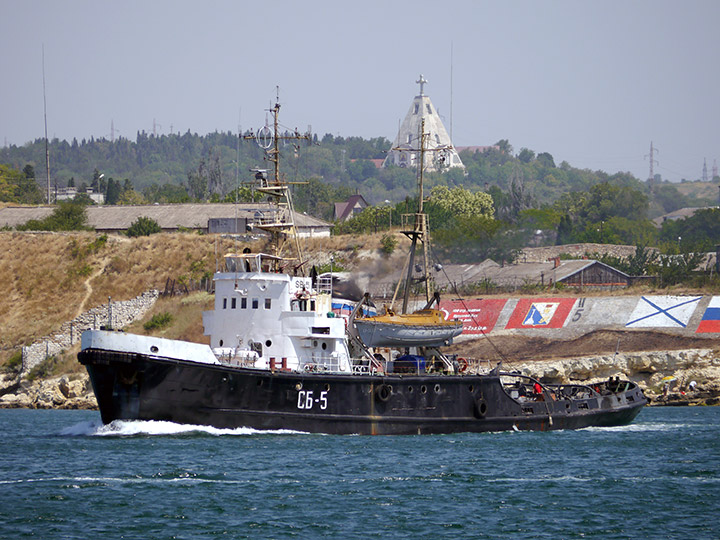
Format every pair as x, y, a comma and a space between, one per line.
540, 313
663, 311
687, 313
478, 316
711, 318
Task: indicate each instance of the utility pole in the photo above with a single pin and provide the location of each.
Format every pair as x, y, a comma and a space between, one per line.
47, 148
653, 161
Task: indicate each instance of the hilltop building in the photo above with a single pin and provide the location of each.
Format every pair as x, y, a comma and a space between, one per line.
405, 150
350, 208
69, 193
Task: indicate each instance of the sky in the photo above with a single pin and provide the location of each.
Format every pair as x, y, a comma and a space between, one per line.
592, 83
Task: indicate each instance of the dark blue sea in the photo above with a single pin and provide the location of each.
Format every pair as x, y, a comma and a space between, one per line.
65, 476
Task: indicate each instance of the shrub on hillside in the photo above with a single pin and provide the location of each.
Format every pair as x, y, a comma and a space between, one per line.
67, 216
388, 243
143, 226
161, 320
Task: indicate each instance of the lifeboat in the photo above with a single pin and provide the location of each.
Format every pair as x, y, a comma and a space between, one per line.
424, 328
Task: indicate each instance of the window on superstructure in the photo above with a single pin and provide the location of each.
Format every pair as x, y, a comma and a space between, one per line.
429, 110
224, 303
243, 303
233, 303
312, 305
417, 108
255, 303
268, 303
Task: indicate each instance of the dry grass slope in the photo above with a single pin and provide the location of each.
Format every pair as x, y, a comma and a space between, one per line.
48, 278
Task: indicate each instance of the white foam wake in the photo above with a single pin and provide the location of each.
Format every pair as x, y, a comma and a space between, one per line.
129, 428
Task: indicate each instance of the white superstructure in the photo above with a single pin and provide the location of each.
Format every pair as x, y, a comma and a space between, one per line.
272, 320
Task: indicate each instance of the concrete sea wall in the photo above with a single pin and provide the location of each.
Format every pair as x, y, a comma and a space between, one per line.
113, 314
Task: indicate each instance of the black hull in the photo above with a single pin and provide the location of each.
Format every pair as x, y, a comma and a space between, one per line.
140, 387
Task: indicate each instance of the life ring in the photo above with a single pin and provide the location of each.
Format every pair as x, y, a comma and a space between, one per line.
463, 365
480, 408
383, 392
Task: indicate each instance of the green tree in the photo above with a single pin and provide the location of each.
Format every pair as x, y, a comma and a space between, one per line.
29, 172
476, 238
674, 269
545, 159
244, 194
700, 232
461, 202
18, 187
167, 193
143, 226
526, 155
67, 216
114, 191
197, 182
371, 219
95, 184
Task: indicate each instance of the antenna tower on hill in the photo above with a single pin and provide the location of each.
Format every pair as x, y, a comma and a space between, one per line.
653, 161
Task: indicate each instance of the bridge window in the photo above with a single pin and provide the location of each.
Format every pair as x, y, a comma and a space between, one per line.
243, 303
255, 303
268, 303
224, 303
233, 303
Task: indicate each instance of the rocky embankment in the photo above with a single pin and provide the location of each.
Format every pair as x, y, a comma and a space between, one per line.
66, 392
665, 377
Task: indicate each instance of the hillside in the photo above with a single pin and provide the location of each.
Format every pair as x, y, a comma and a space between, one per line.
699, 193
50, 278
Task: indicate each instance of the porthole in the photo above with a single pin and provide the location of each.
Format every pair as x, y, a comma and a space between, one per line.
260, 382
437, 388
298, 386
324, 346
327, 387
423, 389
221, 342
471, 388
410, 389
154, 349
268, 343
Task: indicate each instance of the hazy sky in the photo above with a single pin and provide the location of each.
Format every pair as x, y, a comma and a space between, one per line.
592, 83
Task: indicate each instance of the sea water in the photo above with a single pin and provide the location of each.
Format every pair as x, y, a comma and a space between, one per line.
63, 475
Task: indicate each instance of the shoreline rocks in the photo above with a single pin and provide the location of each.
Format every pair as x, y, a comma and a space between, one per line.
65, 392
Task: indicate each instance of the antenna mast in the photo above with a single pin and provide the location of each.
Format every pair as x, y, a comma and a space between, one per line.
47, 148
269, 140
653, 161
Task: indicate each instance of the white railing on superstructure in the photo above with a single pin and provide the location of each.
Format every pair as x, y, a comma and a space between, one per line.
324, 284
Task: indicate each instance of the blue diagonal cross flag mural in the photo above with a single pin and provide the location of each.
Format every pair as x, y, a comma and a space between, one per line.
663, 311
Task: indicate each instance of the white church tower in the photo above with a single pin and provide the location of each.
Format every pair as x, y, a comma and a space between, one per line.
440, 154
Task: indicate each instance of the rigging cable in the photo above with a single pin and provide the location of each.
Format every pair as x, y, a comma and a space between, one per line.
467, 309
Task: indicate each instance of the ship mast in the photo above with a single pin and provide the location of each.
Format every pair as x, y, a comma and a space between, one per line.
282, 225
415, 226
